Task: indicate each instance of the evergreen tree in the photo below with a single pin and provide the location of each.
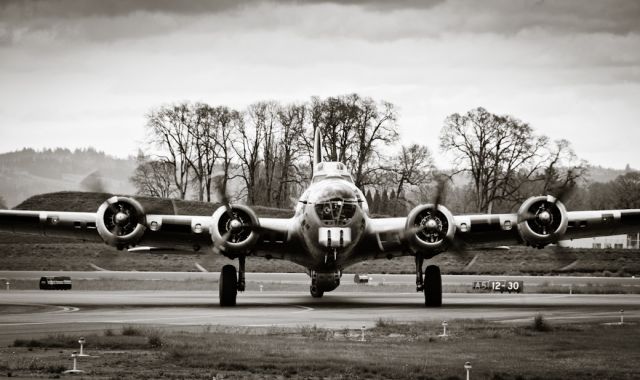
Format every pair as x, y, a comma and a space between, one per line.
392, 205
369, 199
384, 203
375, 206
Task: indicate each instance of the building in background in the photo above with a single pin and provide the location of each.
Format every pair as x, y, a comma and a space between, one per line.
631, 241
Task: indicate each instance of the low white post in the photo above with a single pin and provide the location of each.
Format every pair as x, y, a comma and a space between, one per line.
444, 329
260, 288
362, 337
621, 316
75, 369
82, 342
467, 366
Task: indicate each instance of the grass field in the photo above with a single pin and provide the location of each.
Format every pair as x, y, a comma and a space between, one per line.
538, 350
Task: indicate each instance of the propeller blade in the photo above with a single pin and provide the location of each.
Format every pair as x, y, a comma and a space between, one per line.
222, 193
566, 190
440, 190
526, 216
220, 246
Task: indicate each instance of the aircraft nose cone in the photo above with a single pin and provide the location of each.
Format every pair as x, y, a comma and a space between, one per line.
122, 218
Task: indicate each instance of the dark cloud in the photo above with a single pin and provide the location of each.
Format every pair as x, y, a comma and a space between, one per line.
372, 20
28, 9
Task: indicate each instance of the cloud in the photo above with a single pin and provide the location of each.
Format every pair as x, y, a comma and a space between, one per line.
369, 20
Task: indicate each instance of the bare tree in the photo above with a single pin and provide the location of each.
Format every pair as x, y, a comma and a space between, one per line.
228, 122
413, 165
153, 177
501, 153
169, 128
291, 140
247, 147
353, 128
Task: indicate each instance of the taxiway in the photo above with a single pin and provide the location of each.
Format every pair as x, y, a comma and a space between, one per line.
30, 313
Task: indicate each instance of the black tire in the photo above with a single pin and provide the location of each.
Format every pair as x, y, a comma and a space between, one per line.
315, 292
432, 287
228, 285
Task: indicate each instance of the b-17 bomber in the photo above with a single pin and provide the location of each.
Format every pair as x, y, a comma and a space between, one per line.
330, 230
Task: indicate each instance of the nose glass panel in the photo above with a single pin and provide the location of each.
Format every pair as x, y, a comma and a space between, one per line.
335, 212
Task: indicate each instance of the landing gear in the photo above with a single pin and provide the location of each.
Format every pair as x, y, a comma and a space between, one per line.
432, 287
231, 283
430, 283
228, 286
315, 291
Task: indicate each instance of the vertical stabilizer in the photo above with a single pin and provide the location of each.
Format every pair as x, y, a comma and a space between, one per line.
317, 148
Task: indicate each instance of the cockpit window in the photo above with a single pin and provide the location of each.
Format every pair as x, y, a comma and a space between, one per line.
318, 178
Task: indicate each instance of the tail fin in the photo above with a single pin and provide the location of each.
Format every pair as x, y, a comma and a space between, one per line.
317, 148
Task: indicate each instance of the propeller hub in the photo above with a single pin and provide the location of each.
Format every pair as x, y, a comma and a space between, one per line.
121, 218
235, 224
431, 225
545, 217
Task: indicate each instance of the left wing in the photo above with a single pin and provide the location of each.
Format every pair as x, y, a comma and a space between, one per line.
122, 222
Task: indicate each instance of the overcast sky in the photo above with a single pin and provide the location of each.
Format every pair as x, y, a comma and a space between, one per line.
77, 73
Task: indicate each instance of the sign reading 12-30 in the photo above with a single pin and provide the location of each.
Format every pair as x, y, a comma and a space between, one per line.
499, 286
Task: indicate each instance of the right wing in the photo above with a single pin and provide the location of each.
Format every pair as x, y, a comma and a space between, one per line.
391, 237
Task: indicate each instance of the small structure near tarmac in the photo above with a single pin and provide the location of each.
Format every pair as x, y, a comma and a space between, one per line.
55, 283
361, 278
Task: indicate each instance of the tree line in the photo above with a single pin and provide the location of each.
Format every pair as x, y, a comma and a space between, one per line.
261, 155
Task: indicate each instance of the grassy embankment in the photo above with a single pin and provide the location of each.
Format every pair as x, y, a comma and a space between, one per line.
391, 350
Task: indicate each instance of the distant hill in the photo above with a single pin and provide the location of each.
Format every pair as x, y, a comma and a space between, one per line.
600, 174
28, 172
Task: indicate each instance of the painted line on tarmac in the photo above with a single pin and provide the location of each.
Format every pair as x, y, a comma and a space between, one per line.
304, 309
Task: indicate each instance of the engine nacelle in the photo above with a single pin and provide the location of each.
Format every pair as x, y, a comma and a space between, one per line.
542, 220
430, 229
121, 222
235, 230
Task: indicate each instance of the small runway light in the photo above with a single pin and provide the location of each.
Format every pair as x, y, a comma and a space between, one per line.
261, 288
75, 369
622, 316
444, 329
467, 366
362, 337
8, 285
82, 342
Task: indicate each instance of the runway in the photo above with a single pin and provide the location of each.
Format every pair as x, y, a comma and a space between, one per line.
31, 313
303, 278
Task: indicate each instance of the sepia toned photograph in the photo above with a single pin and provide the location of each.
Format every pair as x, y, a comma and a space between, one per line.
321, 189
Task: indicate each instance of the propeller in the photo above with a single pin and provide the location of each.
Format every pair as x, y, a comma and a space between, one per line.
563, 193
120, 218
432, 226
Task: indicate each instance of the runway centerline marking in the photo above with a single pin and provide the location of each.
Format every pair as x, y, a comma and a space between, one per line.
304, 309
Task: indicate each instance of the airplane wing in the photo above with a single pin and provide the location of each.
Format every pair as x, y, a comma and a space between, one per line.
121, 222
540, 221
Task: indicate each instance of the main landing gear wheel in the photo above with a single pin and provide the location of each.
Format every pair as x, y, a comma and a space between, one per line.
432, 287
228, 286
315, 292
